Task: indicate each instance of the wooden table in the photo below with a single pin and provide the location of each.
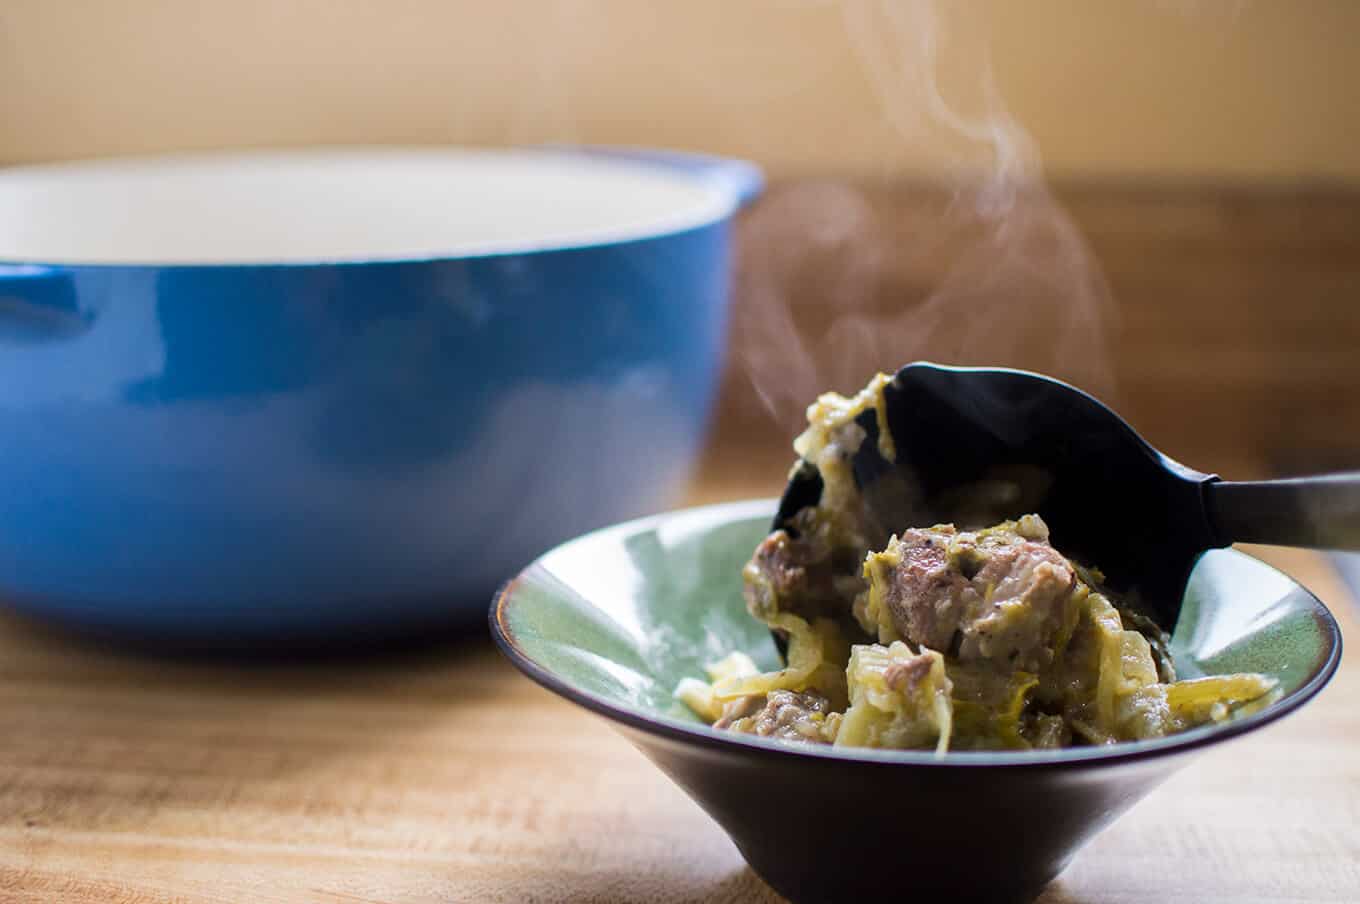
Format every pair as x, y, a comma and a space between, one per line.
445, 776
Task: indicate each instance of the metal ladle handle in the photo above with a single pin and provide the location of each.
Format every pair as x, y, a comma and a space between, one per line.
1322, 512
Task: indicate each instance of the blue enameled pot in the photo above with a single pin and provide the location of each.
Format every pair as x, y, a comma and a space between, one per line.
328, 394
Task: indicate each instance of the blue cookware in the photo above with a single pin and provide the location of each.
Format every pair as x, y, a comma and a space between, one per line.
335, 393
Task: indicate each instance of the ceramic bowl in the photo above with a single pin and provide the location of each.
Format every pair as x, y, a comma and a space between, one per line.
614, 619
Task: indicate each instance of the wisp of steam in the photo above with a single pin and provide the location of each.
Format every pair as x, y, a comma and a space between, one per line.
982, 266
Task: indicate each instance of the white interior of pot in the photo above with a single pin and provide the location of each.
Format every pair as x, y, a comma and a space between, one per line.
339, 205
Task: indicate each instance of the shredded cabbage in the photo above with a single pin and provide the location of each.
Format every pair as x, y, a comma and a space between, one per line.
1027, 649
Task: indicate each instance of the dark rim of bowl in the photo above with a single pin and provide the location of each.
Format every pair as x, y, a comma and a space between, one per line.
729, 742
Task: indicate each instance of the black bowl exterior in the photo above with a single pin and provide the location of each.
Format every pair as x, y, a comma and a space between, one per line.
818, 832
826, 824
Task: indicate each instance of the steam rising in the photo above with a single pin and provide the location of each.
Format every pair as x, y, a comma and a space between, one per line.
985, 268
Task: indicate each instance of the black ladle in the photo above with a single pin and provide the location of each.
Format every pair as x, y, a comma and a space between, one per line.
1110, 499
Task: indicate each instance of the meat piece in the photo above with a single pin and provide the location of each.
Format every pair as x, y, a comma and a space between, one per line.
907, 675
740, 708
999, 595
924, 595
786, 715
803, 576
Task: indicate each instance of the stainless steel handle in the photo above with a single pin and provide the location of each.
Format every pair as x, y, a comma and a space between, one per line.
1321, 511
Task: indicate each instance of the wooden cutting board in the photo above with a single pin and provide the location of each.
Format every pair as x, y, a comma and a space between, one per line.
446, 776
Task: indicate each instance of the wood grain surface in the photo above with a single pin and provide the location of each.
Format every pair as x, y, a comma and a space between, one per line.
444, 776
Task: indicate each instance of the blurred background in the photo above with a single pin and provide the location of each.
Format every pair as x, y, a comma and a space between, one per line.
1157, 199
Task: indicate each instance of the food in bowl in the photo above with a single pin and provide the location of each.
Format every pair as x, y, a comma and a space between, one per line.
613, 620
970, 635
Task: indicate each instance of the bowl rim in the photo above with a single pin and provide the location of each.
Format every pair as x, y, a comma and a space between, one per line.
721, 202
709, 738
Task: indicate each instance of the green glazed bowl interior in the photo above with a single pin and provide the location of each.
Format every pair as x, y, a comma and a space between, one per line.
614, 619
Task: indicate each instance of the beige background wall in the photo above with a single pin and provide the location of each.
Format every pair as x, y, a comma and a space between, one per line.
1263, 90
